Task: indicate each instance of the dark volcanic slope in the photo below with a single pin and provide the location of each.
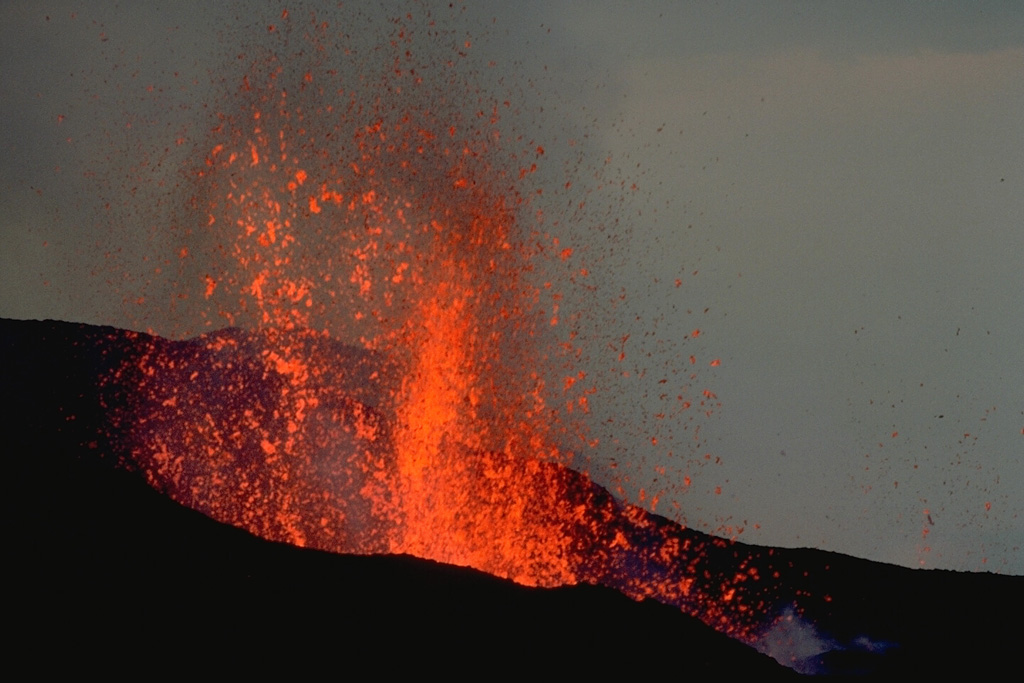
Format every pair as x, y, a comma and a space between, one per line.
113, 574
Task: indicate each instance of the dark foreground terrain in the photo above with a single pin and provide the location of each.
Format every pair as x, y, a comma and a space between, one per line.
107, 575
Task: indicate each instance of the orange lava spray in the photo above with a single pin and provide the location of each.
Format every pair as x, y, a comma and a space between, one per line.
386, 214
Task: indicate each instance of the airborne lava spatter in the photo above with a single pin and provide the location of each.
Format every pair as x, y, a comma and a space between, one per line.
414, 242
387, 202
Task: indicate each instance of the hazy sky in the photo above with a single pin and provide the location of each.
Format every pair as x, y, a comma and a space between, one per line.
839, 188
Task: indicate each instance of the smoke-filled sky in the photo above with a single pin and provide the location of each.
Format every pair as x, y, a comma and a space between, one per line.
831, 193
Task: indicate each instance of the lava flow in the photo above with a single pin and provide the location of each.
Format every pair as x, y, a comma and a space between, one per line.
328, 208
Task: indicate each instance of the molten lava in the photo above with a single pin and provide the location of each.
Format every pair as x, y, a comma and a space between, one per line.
387, 214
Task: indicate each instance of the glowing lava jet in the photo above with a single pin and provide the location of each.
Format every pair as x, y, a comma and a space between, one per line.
321, 196
433, 436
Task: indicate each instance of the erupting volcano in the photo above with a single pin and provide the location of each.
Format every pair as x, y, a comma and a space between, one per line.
391, 214
386, 365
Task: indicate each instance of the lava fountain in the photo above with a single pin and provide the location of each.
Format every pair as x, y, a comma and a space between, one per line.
389, 395
416, 240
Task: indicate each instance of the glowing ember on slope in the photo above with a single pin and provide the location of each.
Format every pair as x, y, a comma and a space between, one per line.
385, 212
